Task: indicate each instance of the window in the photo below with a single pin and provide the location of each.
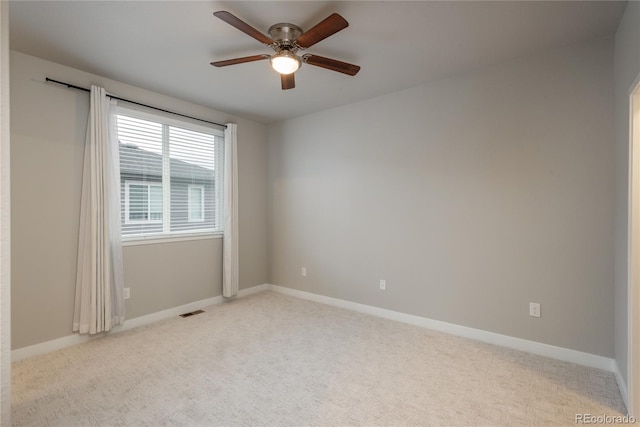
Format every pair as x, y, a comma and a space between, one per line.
196, 203
143, 202
170, 176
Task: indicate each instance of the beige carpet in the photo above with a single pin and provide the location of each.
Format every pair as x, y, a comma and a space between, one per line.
271, 360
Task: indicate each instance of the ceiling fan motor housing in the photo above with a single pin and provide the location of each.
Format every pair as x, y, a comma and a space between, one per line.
284, 34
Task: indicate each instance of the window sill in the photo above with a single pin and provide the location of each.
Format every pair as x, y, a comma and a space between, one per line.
167, 239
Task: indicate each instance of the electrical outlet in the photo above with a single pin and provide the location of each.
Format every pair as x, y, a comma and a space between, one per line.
383, 285
126, 293
534, 309
303, 271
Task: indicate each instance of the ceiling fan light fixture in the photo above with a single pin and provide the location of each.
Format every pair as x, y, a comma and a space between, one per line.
285, 62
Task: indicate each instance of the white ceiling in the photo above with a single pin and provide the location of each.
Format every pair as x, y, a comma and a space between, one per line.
167, 46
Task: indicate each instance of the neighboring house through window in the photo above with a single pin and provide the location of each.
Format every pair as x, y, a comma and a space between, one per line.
170, 175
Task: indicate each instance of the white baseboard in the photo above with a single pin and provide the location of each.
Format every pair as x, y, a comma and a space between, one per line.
560, 353
74, 339
622, 385
252, 290
165, 314
547, 350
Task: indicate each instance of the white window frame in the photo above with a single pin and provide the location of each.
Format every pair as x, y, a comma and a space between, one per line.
190, 202
149, 184
166, 235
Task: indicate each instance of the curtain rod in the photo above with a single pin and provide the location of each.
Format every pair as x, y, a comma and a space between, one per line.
70, 86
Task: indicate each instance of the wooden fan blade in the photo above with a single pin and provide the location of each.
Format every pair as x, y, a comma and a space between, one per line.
243, 26
288, 81
322, 30
331, 64
239, 60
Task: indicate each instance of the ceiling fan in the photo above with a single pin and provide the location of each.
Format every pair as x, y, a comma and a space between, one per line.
286, 40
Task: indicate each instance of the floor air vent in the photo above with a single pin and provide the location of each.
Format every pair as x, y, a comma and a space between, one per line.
192, 313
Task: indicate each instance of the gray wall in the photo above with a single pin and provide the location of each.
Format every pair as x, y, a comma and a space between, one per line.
470, 196
185, 271
48, 124
627, 67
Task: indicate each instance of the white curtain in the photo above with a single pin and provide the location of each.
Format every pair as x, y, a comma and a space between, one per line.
230, 267
99, 303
